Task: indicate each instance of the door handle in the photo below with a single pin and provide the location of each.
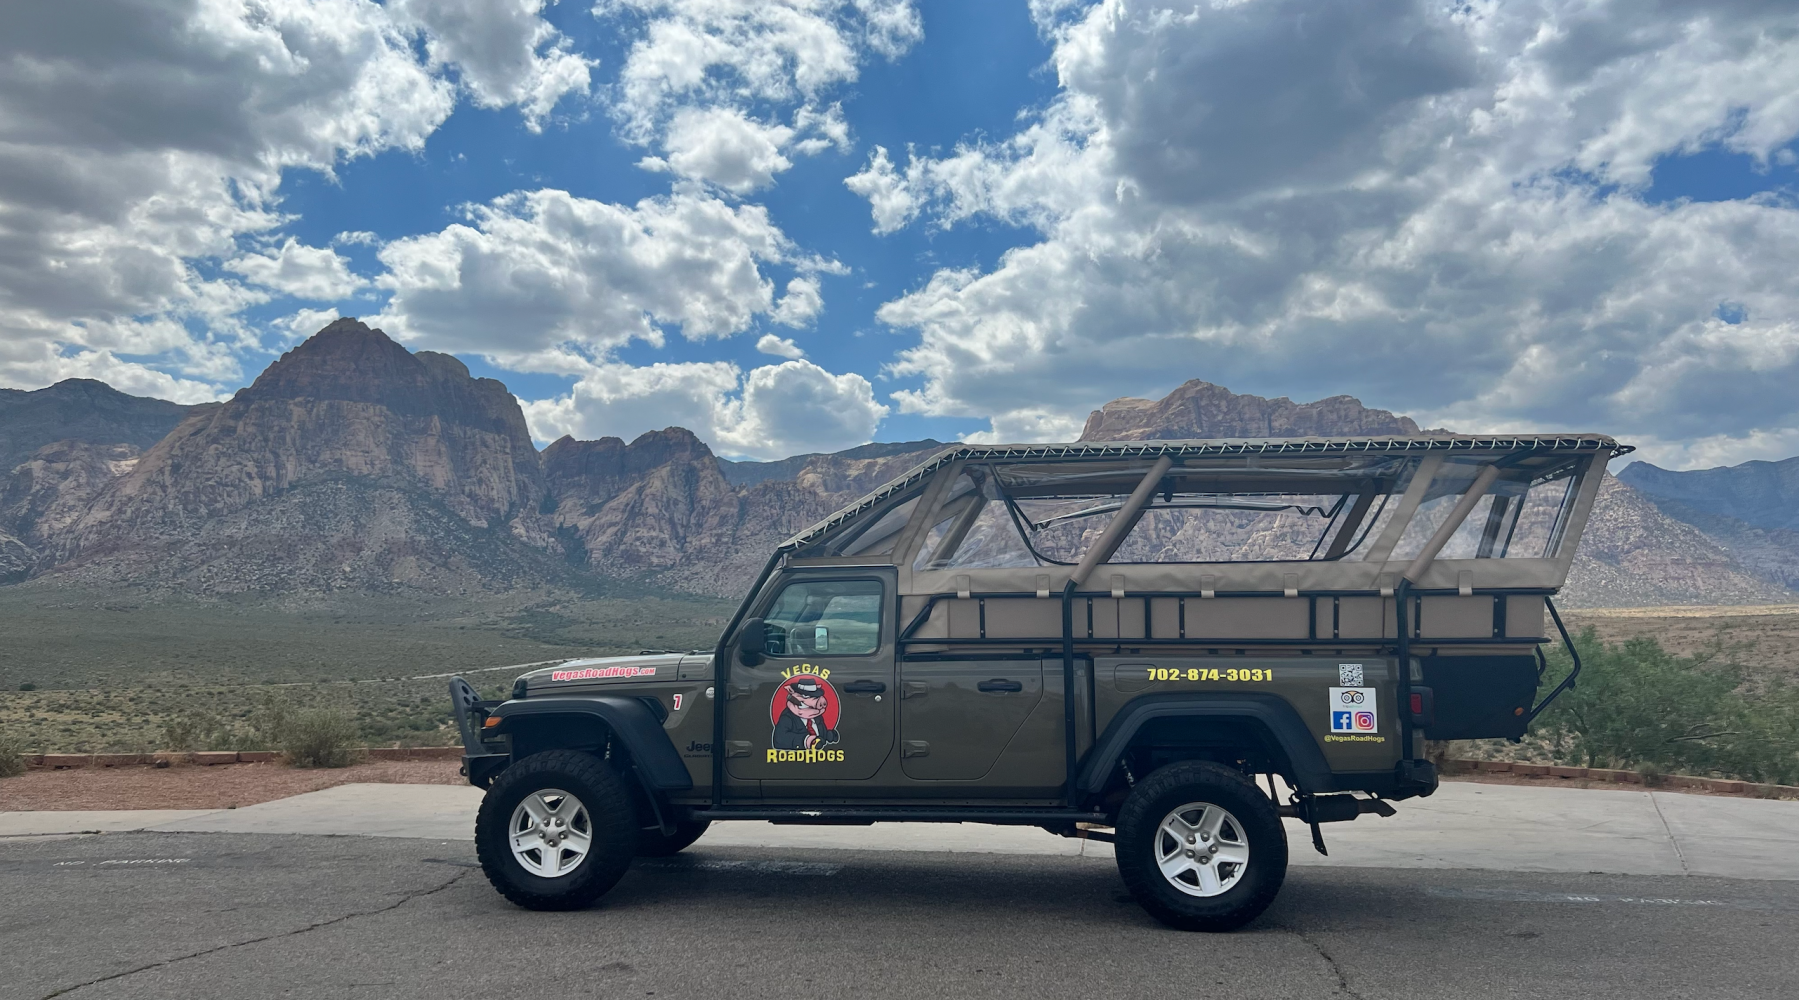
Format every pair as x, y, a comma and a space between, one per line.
864, 687
915, 748
914, 689
1000, 684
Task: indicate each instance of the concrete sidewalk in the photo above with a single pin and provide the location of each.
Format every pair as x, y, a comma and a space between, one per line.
1465, 825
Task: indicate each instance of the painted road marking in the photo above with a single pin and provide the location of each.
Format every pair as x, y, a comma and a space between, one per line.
756, 867
1522, 896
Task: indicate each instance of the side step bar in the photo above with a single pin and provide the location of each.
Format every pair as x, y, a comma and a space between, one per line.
828, 815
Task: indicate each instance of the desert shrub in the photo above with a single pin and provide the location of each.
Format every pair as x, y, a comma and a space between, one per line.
319, 737
1638, 706
191, 730
12, 756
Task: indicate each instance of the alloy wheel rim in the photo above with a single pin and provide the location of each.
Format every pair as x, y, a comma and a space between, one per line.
551, 833
1201, 849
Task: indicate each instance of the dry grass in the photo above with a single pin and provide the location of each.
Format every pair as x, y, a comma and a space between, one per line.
111, 672
1764, 638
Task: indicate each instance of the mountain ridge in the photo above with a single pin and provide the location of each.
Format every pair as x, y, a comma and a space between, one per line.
353, 463
82, 409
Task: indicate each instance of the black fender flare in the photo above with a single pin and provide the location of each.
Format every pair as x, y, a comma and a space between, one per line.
1309, 766
628, 718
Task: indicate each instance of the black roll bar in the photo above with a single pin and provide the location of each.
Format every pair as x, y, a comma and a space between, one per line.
1573, 654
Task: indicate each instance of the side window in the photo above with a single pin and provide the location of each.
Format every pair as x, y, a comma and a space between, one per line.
825, 618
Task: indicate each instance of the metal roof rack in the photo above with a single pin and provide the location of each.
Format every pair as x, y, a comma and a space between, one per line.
1225, 448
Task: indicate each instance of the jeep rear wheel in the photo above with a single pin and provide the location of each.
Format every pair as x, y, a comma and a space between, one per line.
1200, 847
556, 830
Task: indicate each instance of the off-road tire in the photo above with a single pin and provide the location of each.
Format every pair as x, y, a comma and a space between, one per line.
651, 843
611, 816
1138, 829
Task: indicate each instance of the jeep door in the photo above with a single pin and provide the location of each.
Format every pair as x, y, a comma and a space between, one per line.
985, 720
819, 708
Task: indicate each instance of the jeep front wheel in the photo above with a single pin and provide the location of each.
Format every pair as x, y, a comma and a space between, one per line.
556, 830
1200, 847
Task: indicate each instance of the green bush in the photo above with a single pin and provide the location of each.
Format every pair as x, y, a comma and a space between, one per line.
1638, 706
320, 737
12, 756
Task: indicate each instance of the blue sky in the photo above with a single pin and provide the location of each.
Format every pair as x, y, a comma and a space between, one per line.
802, 224
976, 69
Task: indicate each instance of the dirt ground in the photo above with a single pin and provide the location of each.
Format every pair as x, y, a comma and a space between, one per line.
193, 786
1765, 637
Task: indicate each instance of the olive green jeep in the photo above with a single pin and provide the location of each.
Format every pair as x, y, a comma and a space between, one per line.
1168, 646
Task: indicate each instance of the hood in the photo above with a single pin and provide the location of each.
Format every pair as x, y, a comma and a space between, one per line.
605, 671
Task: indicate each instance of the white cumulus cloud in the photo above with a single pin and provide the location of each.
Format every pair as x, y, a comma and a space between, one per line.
143, 145
775, 411
780, 347
504, 50
729, 90
301, 271
533, 273
724, 146
1439, 208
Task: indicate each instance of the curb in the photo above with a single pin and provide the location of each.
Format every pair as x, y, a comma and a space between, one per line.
1732, 786
66, 761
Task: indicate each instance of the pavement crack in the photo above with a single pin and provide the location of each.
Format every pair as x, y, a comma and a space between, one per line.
402, 901
1679, 855
1329, 960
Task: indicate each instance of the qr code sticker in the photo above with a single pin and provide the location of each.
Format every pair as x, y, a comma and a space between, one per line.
1349, 675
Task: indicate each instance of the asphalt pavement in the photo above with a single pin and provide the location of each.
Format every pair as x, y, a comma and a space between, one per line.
1464, 825
151, 915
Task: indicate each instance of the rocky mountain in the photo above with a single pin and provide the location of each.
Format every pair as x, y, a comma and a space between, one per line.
664, 508
1634, 555
350, 462
1750, 510
751, 473
1758, 494
1197, 410
81, 409
50, 491
354, 464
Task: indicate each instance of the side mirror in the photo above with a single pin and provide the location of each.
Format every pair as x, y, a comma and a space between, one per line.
752, 640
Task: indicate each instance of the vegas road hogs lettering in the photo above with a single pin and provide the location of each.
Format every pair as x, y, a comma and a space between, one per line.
804, 714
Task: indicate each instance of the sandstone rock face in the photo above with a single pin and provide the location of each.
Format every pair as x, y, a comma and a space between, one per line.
1199, 410
1633, 555
751, 473
349, 417
81, 409
50, 491
661, 509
